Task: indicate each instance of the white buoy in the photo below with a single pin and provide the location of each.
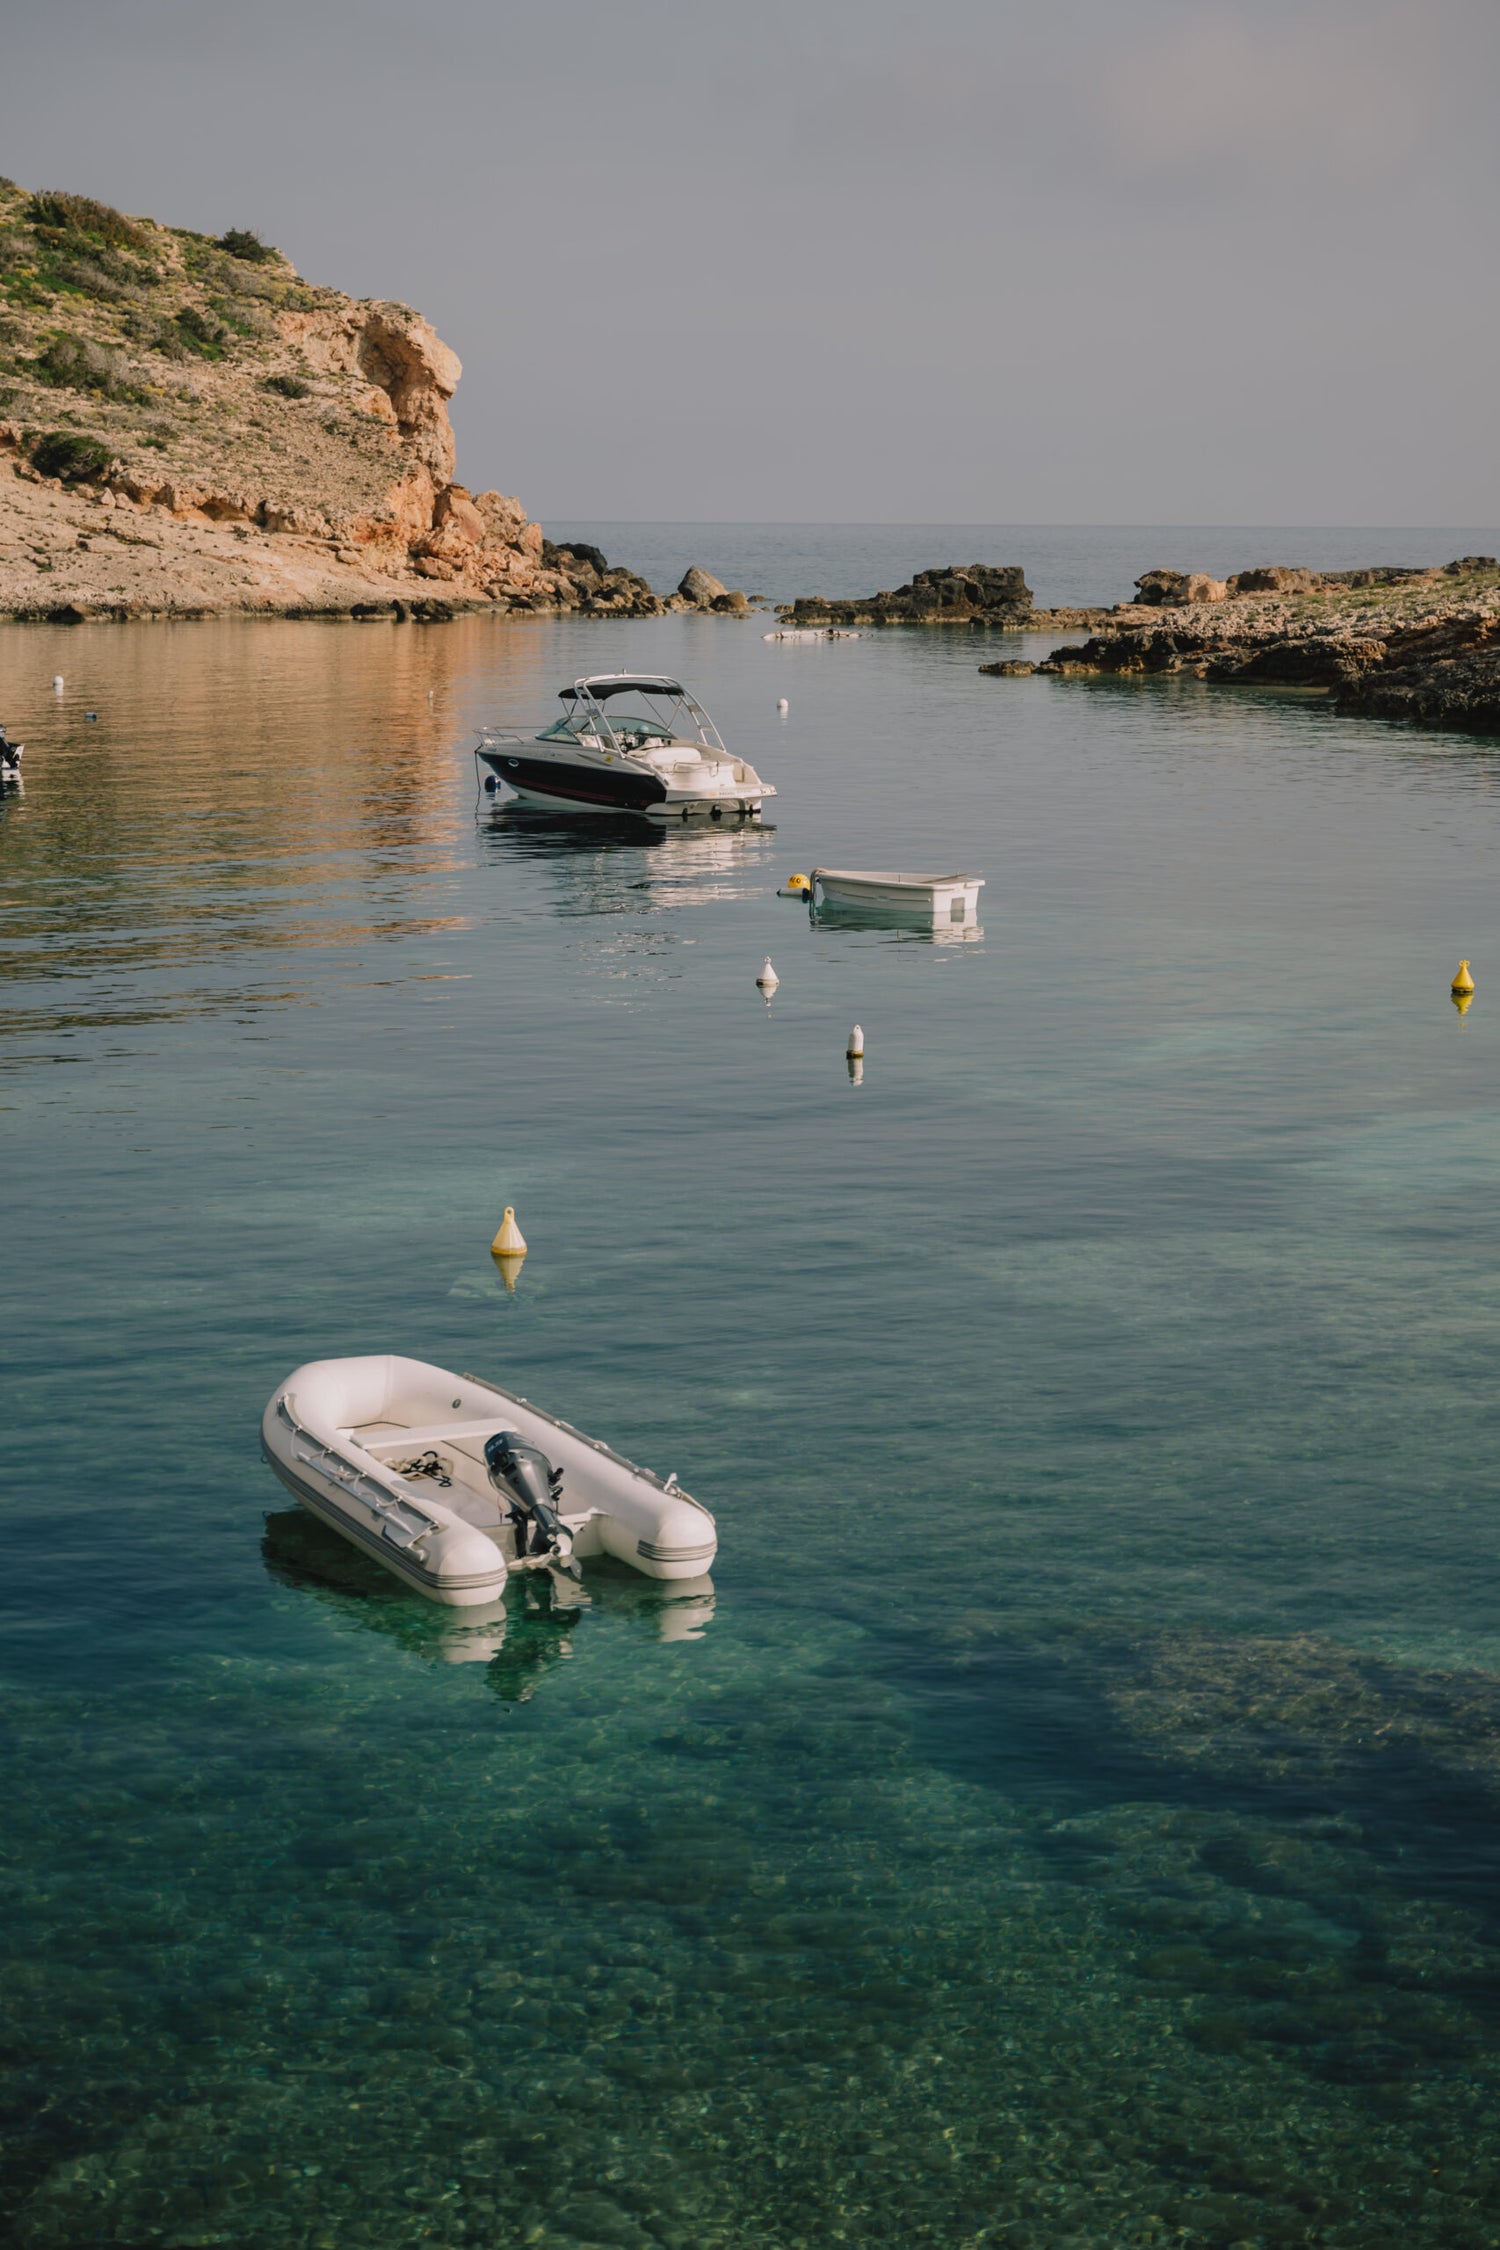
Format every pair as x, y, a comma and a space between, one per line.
856, 1046
768, 979
782, 703
509, 1242
57, 683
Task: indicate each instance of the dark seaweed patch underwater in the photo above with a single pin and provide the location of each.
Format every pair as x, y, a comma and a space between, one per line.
1070, 1816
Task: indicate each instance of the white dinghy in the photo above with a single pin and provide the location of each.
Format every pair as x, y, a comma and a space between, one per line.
452, 1482
934, 898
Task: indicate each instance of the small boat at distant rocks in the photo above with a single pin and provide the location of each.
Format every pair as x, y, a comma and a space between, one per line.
11, 754
628, 742
935, 898
452, 1482
811, 633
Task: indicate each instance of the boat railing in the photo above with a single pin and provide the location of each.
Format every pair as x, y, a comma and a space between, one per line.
403, 1522
595, 1445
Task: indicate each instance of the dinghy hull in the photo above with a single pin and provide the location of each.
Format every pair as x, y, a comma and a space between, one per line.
390, 1453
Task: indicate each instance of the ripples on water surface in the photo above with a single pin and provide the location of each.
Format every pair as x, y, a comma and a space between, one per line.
1076, 1822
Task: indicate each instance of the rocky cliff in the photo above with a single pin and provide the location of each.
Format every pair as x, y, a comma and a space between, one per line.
189, 428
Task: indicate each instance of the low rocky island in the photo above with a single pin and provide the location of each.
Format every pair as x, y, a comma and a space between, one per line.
977, 594
188, 429
1413, 644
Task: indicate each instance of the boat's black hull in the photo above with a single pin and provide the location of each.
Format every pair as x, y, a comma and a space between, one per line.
612, 789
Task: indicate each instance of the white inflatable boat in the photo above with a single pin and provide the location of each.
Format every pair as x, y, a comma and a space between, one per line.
452, 1483
934, 898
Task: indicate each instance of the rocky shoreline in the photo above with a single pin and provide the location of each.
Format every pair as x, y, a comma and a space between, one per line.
1390, 642
1422, 646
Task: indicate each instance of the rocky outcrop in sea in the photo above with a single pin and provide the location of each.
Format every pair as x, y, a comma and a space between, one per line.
957, 594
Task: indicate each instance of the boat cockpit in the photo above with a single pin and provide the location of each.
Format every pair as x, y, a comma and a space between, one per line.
672, 718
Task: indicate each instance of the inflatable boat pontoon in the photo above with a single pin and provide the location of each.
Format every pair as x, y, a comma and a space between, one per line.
929, 898
452, 1482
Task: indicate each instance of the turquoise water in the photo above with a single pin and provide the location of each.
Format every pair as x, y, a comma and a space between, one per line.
1073, 1819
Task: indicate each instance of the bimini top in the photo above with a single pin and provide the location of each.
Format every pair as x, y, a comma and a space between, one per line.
618, 683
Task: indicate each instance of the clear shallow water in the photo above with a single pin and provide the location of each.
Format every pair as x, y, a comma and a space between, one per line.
1075, 1822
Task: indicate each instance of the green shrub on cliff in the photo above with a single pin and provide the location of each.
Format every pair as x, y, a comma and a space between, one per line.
72, 363
67, 454
241, 243
203, 335
80, 214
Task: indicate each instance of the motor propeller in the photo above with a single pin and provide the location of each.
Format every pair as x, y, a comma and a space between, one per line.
534, 1489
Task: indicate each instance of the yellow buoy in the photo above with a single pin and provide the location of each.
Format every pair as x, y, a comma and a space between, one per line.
798, 883
509, 1242
1463, 982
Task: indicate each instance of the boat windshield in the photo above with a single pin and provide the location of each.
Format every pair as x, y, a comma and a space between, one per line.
669, 714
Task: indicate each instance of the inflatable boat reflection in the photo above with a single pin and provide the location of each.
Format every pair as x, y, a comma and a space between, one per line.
894, 922
518, 1638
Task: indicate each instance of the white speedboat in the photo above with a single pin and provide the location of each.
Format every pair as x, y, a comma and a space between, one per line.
657, 753
935, 898
11, 754
452, 1482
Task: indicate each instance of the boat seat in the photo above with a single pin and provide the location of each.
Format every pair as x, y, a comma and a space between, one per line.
376, 1433
422, 1435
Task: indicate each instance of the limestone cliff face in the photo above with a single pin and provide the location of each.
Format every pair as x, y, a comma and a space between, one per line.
186, 426
409, 372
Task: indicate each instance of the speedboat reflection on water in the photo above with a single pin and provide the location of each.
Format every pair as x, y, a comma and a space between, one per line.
624, 865
627, 742
519, 1638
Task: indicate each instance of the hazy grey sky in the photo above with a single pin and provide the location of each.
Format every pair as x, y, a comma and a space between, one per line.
1188, 261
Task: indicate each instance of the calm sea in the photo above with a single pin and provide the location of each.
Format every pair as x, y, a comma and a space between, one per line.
1073, 1818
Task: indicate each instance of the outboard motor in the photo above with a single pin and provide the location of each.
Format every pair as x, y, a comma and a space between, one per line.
534, 1488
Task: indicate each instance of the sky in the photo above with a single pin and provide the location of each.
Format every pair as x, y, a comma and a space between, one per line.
973, 261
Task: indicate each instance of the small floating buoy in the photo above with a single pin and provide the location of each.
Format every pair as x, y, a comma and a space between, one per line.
798, 883
509, 1242
782, 703
57, 683
856, 1044
1463, 982
768, 979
